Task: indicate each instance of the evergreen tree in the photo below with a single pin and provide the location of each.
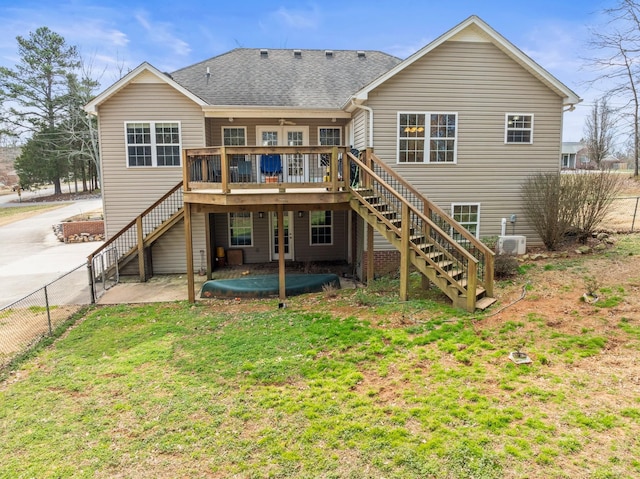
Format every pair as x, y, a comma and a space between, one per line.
38, 91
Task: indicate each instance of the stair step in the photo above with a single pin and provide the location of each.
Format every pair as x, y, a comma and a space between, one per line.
381, 206
444, 264
455, 273
484, 303
424, 246
388, 214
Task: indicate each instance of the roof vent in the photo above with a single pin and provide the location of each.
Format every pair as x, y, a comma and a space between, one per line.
361, 54
297, 54
264, 53
328, 53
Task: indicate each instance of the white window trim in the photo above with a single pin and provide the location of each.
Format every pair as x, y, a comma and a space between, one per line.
229, 230
311, 243
427, 139
506, 129
154, 152
227, 127
319, 144
326, 127
453, 205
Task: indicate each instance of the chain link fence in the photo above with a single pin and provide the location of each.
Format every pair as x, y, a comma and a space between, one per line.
27, 321
623, 216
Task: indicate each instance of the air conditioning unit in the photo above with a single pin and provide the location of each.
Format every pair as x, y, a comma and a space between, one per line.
512, 244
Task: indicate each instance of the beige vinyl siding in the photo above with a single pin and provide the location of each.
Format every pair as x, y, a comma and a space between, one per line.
479, 83
169, 254
260, 252
126, 191
360, 130
215, 125
337, 251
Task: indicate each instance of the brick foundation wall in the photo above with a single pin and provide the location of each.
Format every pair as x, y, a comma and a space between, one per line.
79, 227
385, 262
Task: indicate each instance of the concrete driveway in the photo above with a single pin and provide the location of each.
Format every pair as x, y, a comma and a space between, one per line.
31, 255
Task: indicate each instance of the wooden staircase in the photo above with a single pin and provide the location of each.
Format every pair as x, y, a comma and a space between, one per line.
437, 246
135, 239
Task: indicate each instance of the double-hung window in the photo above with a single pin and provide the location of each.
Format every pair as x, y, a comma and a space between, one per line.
321, 224
327, 137
468, 215
518, 128
425, 137
241, 229
153, 143
235, 137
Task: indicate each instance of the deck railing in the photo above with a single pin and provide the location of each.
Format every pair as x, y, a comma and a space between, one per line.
250, 167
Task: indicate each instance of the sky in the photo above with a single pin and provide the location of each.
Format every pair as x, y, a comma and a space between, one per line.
115, 36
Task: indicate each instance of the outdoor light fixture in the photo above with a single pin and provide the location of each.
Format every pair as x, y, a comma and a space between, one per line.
300, 214
260, 215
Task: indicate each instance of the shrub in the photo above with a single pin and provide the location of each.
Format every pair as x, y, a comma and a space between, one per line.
505, 265
576, 203
541, 195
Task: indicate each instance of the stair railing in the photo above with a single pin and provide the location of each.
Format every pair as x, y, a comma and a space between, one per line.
128, 238
437, 227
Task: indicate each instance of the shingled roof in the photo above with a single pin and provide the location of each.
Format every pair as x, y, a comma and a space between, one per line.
284, 78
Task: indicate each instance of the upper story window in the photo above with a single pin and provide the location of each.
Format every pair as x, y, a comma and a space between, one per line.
427, 137
234, 136
518, 128
153, 143
328, 137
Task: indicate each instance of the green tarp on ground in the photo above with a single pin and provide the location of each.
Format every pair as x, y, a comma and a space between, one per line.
267, 285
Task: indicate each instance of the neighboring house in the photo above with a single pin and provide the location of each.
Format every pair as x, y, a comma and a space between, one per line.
611, 162
463, 122
574, 156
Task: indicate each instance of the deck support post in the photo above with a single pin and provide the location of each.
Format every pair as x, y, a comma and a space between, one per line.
188, 236
404, 252
208, 251
370, 257
140, 238
282, 287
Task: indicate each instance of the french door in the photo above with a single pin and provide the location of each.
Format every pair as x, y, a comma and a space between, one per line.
295, 168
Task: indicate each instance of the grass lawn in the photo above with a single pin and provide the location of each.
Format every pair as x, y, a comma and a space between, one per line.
9, 214
346, 384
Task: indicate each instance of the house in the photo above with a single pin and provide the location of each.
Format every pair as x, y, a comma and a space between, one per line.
323, 155
575, 156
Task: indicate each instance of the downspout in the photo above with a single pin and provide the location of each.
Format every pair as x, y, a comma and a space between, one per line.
370, 110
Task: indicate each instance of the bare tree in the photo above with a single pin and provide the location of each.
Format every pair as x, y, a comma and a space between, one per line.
619, 44
599, 129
